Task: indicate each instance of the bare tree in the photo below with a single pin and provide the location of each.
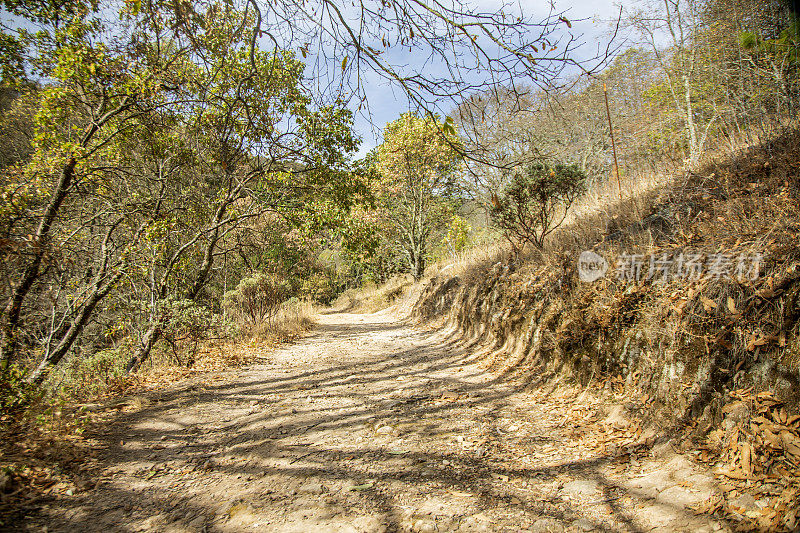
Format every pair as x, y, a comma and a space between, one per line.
679, 24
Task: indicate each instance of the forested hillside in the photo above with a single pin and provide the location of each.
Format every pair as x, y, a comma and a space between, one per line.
185, 184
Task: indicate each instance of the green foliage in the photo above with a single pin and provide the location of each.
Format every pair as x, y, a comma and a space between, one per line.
535, 202
92, 375
321, 287
458, 236
49, 12
14, 394
419, 163
12, 67
257, 298
186, 320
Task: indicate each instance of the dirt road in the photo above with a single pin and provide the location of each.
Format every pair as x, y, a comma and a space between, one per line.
371, 425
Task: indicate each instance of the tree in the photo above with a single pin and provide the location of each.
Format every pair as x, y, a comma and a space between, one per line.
257, 145
756, 55
418, 162
536, 202
682, 63
69, 234
459, 48
147, 155
160, 130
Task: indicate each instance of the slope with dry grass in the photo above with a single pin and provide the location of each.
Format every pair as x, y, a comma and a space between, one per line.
688, 347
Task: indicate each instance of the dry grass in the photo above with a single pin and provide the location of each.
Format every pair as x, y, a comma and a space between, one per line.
744, 200
291, 320
624, 216
372, 298
469, 260
103, 374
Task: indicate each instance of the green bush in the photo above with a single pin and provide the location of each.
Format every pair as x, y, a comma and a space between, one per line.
257, 298
14, 394
536, 201
320, 287
186, 319
87, 377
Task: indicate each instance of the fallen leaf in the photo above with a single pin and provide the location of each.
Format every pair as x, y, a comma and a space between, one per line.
745, 457
708, 303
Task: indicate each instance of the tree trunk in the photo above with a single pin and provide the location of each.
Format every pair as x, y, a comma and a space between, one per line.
154, 333
418, 266
75, 329
13, 310
148, 341
691, 128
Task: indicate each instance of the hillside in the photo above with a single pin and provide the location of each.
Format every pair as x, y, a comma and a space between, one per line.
711, 359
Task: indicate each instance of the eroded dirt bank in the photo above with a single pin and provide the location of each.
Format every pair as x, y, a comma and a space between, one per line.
371, 425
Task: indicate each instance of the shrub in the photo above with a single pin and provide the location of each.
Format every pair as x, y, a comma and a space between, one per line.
257, 298
536, 202
320, 287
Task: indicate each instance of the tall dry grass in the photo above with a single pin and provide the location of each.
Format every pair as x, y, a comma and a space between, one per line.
372, 298
293, 318
613, 213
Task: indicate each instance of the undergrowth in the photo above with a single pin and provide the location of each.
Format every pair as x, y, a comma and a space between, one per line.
371, 297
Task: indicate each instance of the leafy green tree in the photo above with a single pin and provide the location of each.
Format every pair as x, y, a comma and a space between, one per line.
418, 163
535, 202
258, 145
70, 234
457, 237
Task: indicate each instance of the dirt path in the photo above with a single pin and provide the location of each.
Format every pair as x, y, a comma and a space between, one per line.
370, 425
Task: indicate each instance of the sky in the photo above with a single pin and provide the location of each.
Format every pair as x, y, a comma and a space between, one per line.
385, 103
590, 18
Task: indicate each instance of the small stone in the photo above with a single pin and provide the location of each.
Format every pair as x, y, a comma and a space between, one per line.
679, 496
384, 430
547, 525
663, 450
583, 524
648, 437
660, 516
746, 502
423, 526
478, 523
580, 487
617, 417
312, 488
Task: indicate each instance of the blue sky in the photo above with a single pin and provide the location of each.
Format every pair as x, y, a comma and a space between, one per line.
590, 18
